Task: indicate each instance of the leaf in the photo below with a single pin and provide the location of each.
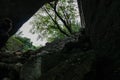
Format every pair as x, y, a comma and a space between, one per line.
49, 25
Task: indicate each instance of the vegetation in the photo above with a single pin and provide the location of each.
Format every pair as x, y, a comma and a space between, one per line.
56, 20
17, 43
27, 44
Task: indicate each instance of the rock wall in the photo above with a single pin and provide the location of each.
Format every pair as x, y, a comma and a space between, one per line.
102, 19
19, 11
57, 61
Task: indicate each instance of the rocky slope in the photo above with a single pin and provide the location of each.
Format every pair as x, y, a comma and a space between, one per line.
59, 60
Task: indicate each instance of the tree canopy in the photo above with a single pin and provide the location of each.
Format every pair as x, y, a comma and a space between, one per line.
18, 43
56, 20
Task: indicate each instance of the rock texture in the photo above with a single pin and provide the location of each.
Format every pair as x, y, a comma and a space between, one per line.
103, 26
57, 62
102, 19
60, 60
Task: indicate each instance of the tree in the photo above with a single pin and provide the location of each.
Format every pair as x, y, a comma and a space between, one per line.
16, 43
56, 20
27, 44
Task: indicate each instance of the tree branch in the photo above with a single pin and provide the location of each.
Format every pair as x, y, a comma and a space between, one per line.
65, 24
66, 17
58, 26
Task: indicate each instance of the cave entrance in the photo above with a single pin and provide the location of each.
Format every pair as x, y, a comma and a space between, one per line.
54, 21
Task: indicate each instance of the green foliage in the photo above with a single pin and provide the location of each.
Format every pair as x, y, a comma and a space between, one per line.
13, 44
16, 43
56, 20
27, 44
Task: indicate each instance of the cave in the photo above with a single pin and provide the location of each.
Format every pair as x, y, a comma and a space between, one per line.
101, 21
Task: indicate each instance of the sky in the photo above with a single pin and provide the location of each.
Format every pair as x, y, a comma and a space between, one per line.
33, 37
26, 33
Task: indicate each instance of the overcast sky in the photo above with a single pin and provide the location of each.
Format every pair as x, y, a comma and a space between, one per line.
26, 33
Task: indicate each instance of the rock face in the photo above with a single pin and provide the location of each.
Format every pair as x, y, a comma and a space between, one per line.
56, 61
103, 26
102, 19
31, 70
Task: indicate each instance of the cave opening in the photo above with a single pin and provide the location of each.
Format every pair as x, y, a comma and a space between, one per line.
48, 31
54, 21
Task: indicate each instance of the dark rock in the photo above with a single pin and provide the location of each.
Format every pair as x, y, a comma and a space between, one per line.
102, 24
